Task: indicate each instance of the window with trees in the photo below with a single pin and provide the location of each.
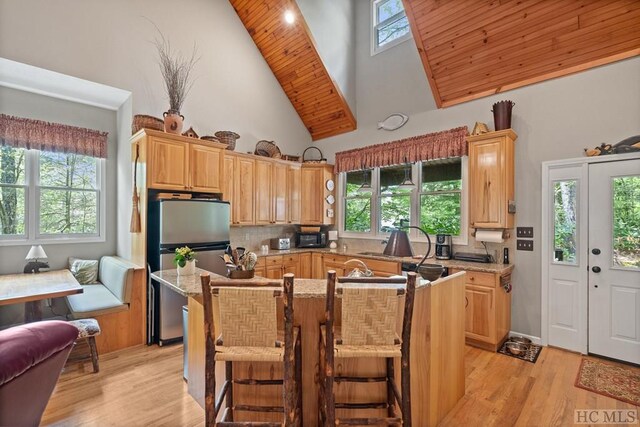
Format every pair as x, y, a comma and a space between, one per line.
390, 24
47, 195
375, 201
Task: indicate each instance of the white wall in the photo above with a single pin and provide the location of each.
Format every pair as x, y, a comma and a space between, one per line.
111, 43
554, 120
332, 24
25, 104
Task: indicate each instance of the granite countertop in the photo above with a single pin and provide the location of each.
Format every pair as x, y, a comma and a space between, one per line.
189, 286
501, 269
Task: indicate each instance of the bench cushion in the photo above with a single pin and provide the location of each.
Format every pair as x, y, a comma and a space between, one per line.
94, 301
117, 275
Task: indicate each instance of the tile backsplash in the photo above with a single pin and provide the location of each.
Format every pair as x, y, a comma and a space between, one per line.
252, 238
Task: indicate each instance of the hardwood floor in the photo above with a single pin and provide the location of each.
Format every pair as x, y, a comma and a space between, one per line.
143, 386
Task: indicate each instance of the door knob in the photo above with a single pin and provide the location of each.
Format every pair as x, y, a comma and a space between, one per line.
596, 269
595, 251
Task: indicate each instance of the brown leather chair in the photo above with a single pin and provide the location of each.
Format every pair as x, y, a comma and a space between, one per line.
31, 359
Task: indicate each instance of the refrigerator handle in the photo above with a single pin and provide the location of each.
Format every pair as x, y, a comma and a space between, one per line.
150, 307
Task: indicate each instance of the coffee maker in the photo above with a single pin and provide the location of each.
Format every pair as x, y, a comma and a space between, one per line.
443, 246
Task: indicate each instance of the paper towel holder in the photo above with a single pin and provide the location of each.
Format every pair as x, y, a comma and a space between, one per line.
505, 233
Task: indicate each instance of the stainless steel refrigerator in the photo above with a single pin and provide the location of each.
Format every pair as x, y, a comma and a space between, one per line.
201, 224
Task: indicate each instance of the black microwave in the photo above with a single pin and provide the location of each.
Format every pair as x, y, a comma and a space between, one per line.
311, 240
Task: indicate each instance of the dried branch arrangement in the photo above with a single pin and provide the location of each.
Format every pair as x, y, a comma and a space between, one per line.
176, 71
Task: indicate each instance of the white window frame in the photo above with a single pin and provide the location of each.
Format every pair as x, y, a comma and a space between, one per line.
416, 236
32, 211
375, 48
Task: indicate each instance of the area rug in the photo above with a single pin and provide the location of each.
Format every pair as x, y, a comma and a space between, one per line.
619, 382
531, 355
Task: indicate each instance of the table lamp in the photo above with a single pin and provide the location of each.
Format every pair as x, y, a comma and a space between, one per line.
34, 266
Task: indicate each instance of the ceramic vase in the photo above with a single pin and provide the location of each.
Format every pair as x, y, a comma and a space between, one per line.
173, 122
188, 270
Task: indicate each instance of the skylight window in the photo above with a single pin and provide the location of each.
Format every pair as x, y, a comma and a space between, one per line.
390, 25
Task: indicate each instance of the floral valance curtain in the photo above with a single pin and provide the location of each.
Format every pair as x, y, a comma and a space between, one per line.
438, 145
39, 135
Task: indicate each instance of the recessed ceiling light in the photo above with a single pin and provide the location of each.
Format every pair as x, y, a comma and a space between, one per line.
289, 17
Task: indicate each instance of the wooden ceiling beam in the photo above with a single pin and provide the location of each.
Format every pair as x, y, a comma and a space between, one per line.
291, 53
471, 49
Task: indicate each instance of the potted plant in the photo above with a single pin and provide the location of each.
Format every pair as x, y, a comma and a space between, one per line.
185, 260
176, 72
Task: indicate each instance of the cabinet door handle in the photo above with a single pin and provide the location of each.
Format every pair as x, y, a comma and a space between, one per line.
466, 302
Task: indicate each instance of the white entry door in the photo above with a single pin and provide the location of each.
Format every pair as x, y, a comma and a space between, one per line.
614, 260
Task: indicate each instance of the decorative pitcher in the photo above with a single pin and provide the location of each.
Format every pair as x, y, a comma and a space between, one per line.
173, 122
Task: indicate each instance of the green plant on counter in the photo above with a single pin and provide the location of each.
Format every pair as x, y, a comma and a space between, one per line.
183, 255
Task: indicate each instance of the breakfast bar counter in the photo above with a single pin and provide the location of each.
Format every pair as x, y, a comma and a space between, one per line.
436, 360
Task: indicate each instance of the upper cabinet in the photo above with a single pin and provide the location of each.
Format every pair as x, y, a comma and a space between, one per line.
316, 185
180, 163
239, 188
293, 192
491, 176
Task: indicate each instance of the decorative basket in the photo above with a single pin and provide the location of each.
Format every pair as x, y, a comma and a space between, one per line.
209, 138
267, 149
306, 160
241, 274
227, 137
141, 121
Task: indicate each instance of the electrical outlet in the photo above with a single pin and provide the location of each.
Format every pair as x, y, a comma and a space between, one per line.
524, 245
525, 232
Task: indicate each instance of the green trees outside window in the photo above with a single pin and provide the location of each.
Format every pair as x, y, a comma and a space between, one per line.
437, 198
64, 189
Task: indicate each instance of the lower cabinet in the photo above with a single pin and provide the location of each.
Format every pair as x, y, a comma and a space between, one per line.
276, 266
487, 309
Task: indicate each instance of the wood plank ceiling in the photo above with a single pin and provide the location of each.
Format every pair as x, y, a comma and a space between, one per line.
475, 48
290, 51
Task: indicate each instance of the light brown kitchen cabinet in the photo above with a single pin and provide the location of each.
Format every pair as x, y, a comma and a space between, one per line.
279, 197
291, 264
315, 210
491, 179
317, 266
168, 164
293, 194
305, 269
205, 164
179, 163
239, 172
263, 191
487, 309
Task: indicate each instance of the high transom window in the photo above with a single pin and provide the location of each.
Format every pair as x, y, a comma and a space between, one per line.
390, 25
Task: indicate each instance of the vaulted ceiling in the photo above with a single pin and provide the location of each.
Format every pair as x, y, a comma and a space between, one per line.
475, 48
291, 53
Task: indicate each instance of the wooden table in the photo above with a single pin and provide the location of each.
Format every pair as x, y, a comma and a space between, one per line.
31, 289
436, 358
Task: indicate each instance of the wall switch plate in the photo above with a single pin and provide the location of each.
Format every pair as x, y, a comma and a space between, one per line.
525, 232
524, 245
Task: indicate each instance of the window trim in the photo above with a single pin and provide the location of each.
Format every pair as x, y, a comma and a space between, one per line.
375, 48
415, 235
32, 214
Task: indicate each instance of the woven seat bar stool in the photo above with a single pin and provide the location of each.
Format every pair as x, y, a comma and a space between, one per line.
368, 330
248, 332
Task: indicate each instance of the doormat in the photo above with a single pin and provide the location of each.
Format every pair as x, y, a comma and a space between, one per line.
619, 382
531, 355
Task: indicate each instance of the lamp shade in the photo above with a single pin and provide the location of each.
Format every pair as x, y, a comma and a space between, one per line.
36, 252
398, 244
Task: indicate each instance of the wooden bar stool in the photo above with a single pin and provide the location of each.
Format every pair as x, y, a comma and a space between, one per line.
248, 332
368, 330
88, 329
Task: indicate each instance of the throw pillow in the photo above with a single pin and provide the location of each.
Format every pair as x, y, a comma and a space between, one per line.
84, 270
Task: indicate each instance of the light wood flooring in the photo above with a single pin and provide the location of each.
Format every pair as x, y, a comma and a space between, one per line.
143, 386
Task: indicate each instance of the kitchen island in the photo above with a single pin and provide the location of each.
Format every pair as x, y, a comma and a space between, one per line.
437, 350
